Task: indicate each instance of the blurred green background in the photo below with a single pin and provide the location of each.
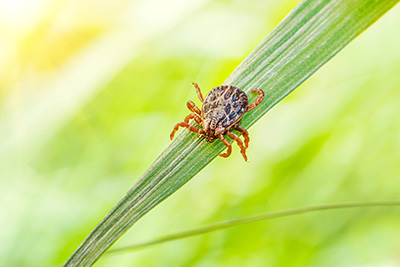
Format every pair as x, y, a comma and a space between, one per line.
90, 91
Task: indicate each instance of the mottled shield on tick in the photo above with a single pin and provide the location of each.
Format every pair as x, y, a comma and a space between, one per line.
222, 108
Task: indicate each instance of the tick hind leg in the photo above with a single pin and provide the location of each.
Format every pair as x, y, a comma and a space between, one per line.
187, 125
198, 90
229, 145
245, 134
258, 100
234, 137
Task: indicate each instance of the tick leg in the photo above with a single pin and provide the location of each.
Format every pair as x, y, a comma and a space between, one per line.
258, 100
240, 144
192, 107
245, 134
183, 124
198, 91
229, 145
193, 116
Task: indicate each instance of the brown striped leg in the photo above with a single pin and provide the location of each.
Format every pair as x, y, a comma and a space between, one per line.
183, 124
192, 107
198, 91
229, 145
193, 116
245, 134
240, 144
258, 100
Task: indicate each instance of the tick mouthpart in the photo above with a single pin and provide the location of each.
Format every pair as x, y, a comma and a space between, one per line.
210, 138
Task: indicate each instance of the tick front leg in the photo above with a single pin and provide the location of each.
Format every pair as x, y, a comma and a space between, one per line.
245, 134
229, 145
258, 100
183, 124
234, 137
198, 90
192, 107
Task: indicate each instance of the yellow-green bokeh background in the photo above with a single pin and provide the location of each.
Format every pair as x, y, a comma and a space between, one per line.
90, 90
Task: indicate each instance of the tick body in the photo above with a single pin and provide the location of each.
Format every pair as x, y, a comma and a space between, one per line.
222, 109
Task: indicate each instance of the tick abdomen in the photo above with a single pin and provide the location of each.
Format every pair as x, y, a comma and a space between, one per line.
223, 107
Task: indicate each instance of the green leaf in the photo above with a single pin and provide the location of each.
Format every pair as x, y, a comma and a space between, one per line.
306, 39
252, 219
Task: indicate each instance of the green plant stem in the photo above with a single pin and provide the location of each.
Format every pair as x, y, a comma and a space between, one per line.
306, 39
252, 219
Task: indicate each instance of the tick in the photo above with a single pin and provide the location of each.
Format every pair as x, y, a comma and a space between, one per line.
222, 109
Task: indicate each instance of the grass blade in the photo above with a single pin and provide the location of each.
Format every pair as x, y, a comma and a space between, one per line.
251, 219
306, 39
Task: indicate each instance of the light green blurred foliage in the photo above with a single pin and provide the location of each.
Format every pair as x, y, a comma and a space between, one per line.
336, 138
